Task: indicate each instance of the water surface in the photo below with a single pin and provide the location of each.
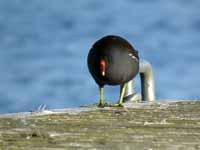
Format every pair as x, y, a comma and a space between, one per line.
44, 46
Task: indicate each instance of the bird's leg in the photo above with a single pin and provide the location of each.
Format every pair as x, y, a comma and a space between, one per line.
122, 92
102, 102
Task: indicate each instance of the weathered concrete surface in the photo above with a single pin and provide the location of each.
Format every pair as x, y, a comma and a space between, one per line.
165, 125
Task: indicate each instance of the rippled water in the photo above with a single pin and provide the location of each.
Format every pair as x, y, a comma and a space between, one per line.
44, 45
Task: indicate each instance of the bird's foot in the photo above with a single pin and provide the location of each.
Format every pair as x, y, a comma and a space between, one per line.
103, 103
116, 105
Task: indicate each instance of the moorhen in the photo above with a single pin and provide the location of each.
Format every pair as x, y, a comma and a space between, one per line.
112, 61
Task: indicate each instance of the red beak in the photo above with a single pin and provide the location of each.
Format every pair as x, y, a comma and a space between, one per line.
102, 67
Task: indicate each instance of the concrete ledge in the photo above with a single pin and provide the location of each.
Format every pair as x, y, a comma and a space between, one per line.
158, 125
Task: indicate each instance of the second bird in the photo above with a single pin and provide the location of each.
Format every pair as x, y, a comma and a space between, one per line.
112, 61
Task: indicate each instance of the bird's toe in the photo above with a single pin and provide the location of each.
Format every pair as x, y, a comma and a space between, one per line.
116, 105
103, 103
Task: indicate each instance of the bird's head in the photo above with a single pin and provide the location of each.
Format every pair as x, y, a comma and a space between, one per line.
102, 66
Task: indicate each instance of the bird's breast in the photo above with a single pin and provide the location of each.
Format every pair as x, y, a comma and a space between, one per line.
121, 69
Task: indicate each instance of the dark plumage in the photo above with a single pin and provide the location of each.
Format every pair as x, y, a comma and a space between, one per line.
113, 61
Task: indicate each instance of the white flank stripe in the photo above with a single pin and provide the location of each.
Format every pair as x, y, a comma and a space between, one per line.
133, 57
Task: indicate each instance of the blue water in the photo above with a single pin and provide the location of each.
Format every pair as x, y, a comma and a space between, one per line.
44, 46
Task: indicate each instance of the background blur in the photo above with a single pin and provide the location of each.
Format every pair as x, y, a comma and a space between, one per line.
44, 46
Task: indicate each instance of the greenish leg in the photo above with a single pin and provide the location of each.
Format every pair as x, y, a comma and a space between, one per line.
101, 89
122, 92
102, 102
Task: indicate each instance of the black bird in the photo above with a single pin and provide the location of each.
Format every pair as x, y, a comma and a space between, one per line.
112, 61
